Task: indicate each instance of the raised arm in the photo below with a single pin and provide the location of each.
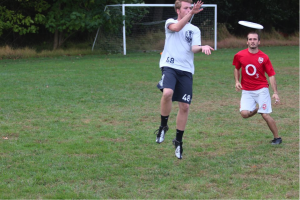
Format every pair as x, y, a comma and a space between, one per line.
182, 22
274, 88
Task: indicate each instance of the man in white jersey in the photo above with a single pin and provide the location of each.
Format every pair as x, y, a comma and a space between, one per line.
177, 64
254, 84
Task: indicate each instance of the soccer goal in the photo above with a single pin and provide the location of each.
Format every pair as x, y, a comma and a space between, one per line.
140, 27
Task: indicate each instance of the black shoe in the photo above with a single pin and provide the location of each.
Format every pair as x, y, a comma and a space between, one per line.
178, 148
160, 133
276, 141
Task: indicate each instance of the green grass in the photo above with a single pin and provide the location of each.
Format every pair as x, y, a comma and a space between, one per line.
82, 127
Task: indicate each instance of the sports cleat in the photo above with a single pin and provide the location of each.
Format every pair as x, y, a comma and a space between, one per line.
178, 148
276, 141
160, 134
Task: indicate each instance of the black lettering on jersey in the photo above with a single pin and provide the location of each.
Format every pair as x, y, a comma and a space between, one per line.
170, 60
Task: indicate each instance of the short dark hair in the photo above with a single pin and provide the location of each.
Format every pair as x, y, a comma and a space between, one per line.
253, 32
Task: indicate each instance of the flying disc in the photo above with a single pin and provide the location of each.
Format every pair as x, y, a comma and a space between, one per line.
251, 24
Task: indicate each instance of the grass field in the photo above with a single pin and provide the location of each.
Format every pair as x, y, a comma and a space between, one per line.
82, 127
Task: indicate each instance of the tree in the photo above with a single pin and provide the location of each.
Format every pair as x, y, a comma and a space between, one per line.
23, 19
65, 18
62, 18
21, 16
281, 15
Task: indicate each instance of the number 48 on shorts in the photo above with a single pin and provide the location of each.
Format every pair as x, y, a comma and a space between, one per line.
186, 98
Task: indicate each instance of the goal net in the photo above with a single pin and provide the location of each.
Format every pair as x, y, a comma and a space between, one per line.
140, 27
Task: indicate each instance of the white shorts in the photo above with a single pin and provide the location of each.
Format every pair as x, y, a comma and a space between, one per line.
251, 98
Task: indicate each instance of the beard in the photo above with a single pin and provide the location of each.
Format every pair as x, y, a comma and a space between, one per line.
253, 46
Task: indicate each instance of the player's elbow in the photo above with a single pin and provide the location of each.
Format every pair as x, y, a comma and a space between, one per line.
175, 29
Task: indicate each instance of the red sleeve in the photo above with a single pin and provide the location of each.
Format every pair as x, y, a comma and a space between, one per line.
236, 61
269, 68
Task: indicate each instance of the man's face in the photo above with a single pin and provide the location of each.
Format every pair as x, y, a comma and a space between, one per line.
253, 41
184, 10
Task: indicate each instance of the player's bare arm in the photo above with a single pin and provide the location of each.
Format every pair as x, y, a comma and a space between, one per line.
184, 15
274, 88
238, 85
204, 49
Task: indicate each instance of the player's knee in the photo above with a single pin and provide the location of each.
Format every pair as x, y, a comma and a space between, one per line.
167, 94
184, 107
245, 113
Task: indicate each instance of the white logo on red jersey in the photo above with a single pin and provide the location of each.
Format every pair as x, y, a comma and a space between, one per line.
260, 60
254, 70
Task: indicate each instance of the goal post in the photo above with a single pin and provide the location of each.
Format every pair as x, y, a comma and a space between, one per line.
140, 27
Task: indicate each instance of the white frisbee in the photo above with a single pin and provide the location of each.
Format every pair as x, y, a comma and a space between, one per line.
251, 24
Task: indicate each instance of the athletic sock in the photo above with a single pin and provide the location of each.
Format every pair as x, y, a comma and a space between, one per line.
164, 120
179, 135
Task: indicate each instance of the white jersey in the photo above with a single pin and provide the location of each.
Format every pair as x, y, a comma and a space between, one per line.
177, 52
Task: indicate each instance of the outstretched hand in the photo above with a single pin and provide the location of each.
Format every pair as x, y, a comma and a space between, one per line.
207, 49
197, 7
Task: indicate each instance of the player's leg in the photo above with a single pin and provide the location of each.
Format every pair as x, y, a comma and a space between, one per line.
183, 94
265, 108
181, 121
248, 113
247, 105
167, 86
166, 102
271, 124
165, 110
182, 116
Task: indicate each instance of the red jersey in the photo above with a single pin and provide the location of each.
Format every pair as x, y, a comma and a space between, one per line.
254, 67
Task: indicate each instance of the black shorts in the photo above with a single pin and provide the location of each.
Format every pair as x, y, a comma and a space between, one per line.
181, 82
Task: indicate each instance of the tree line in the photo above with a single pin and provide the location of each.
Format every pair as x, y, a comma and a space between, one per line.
283, 16
24, 22
35, 20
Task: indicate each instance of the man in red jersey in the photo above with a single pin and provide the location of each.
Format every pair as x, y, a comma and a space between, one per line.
254, 84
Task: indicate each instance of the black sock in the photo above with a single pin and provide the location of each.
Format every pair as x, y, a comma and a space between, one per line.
164, 120
179, 135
